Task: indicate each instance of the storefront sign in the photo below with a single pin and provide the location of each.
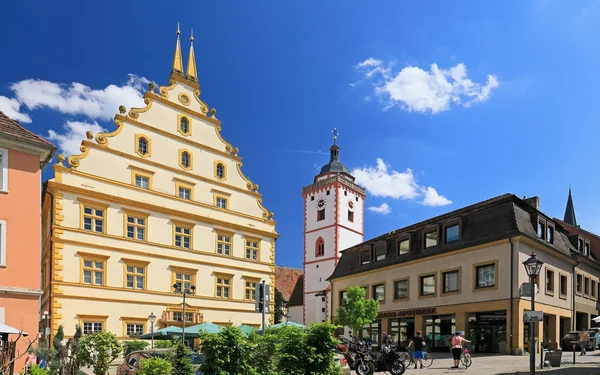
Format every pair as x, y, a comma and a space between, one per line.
402, 313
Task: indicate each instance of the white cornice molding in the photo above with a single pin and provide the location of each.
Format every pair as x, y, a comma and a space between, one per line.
21, 291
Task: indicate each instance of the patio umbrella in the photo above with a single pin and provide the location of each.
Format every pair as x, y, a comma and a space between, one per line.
203, 327
10, 330
287, 324
246, 329
163, 332
596, 319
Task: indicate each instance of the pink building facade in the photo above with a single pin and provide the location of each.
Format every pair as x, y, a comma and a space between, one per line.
23, 155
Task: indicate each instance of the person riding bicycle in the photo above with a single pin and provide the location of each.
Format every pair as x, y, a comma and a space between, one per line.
419, 343
457, 341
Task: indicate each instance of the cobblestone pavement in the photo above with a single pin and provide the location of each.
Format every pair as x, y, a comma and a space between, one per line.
496, 365
505, 365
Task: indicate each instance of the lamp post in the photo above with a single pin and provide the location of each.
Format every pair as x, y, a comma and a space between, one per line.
180, 289
532, 266
152, 319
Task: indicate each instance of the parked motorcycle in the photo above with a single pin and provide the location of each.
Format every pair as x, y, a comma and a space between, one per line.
389, 360
358, 360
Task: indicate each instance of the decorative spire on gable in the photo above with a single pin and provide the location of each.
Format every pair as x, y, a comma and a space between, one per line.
191, 73
570, 211
177, 59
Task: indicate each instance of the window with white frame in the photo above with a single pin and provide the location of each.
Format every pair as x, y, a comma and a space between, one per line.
3, 249
3, 169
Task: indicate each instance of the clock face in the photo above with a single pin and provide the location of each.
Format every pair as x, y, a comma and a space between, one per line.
351, 204
321, 204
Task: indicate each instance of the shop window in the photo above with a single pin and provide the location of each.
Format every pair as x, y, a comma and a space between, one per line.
402, 330
549, 281
485, 276
427, 285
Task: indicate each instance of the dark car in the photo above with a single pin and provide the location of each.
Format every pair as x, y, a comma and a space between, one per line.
572, 338
131, 363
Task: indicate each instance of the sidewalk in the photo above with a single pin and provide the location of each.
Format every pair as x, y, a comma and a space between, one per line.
512, 365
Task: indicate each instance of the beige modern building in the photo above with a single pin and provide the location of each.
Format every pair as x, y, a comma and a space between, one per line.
161, 200
463, 271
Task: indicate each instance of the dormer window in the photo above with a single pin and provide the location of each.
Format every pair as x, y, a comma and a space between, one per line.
586, 248
550, 233
452, 232
541, 232
365, 257
380, 251
403, 245
580, 245
430, 238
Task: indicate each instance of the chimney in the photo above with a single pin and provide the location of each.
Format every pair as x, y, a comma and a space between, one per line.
533, 202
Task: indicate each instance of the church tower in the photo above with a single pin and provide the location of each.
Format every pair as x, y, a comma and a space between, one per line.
333, 221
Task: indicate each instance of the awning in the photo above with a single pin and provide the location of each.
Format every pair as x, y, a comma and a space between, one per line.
10, 330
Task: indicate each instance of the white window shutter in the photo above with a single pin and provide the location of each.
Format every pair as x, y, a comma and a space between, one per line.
3, 249
1, 172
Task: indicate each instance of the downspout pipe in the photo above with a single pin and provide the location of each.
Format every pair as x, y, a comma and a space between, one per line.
512, 268
51, 262
573, 314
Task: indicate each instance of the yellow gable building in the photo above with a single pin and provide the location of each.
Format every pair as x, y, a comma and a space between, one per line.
159, 201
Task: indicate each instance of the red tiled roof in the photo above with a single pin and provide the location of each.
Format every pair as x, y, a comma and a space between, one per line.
285, 280
11, 127
594, 238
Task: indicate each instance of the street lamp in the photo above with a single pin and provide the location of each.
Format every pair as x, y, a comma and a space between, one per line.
180, 289
152, 319
532, 266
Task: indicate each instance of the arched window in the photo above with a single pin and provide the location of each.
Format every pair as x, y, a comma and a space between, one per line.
143, 146
320, 247
185, 159
184, 125
220, 171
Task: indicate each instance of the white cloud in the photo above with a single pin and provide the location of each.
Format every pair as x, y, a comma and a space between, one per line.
74, 132
383, 209
381, 182
433, 199
433, 91
11, 108
79, 99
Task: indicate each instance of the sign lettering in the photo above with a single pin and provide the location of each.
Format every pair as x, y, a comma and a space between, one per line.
404, 313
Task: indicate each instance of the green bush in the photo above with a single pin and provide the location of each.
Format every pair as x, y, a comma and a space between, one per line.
155, 366
98, 350
36, 370
226, 352
164, 344
133, 346
182, 365
264, 348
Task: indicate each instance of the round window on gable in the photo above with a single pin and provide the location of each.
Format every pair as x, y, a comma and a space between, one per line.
143, 146
220, 171
185, 159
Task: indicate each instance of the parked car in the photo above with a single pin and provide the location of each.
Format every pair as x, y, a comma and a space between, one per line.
594, 338
572, 338
132, 363
340, 360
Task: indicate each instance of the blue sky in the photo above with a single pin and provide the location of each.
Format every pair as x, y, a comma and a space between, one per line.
509, 106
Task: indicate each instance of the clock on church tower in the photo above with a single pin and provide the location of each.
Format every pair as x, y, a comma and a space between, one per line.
333, 221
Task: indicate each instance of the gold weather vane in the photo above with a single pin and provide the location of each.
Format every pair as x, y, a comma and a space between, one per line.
177, 60
335, 134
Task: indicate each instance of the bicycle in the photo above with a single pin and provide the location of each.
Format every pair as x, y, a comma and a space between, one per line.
408, 358
465, 358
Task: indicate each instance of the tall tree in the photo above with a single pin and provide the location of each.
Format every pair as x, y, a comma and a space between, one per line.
278, 306
356, 310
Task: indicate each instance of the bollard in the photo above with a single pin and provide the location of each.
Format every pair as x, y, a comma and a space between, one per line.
573, 353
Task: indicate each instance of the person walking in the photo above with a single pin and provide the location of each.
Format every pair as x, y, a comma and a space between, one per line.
457, 341
419, 343
584, 337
